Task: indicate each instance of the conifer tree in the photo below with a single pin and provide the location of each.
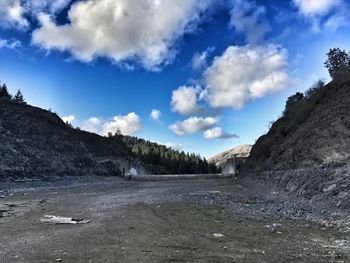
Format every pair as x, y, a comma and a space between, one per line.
4, 92
18, 98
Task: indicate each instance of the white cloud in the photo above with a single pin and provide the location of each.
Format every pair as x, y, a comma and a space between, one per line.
249, 18
217, 133
155, 115
127, 125
10, 44
245, 73
184, 100
316, 7
328, 14
175, 146
68, 119
192, 125
94, 124
13, 12
199, 60
122, 30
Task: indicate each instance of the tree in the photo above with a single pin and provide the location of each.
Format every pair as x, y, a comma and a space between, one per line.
337, 63
18, 98
4, 92
292, 101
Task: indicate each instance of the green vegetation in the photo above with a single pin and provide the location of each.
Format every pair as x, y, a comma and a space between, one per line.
338, 63
164, 160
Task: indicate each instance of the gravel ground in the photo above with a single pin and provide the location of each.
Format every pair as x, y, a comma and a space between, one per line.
218, 220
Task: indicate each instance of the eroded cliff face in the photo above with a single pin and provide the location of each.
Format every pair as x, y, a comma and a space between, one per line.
315, 133
37, 143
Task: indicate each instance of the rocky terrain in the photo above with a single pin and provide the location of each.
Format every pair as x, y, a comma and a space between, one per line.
175, 221
239, 151
306, 153
314, 133
36, 143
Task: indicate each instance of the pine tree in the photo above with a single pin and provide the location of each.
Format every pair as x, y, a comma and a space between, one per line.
18, 98
4, 92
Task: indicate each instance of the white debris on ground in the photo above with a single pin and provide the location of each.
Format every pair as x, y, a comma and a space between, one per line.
218, 235
132, 172
62, 220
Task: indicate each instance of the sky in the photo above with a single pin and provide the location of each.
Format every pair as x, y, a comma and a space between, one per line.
201, 76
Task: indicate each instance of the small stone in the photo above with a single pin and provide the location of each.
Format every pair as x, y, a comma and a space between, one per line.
330, 188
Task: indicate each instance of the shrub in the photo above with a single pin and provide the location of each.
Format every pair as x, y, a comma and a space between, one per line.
314, 88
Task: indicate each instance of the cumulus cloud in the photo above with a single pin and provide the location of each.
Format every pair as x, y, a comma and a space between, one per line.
200, 60
316, 7
68, 119
217, 133
121, 30
244, 73
328, 14
13, 13
155, 115
93, 124
250, 19
175, 146
127, 125
184, 100
192, 125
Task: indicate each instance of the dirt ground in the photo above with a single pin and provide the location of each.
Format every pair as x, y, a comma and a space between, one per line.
173, 221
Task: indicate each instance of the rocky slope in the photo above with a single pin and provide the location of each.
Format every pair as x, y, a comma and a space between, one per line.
316, 132
306, 153
239, 151
37, 143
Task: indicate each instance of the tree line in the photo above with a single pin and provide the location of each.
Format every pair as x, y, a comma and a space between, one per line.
165, 160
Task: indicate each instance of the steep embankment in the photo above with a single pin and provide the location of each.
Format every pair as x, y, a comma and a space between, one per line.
37, 143
307, 151
239, 151
315, 132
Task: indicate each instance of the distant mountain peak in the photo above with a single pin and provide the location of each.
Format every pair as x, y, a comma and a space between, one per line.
239, 151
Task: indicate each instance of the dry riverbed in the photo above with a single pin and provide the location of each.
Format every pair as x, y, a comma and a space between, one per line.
176, 221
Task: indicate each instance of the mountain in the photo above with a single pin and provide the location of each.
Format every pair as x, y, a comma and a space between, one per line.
239, 151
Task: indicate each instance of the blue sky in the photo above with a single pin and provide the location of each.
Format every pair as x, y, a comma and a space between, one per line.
215, 73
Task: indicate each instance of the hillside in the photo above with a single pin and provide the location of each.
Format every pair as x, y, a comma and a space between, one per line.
314, 132
239, 151
37, 143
